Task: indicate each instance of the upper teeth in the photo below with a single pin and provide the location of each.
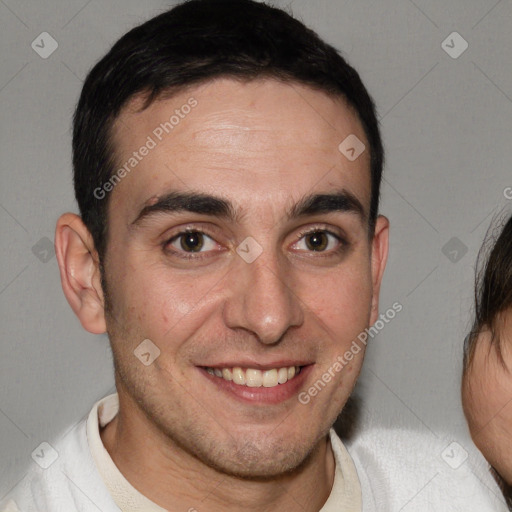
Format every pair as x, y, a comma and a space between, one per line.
256, 378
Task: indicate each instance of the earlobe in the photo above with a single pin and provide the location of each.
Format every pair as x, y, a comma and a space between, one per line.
380, 245
80, 272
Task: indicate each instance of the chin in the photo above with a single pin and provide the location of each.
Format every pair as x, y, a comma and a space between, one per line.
251, 463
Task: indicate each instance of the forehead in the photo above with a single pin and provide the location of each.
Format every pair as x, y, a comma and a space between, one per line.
258, 142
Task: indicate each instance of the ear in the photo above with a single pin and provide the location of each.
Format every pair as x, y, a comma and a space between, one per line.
79, 272
380, 246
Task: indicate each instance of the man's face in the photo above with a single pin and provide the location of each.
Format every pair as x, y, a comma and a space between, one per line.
202, 298
487, 398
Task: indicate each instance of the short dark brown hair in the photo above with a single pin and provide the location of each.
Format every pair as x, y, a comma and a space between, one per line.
197, 41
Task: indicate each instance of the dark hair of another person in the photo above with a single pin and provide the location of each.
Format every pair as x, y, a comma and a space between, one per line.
195, 42
493, 297
493, 289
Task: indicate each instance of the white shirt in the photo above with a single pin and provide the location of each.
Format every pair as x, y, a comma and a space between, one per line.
383, 470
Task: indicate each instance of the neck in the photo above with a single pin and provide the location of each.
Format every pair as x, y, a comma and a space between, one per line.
174, 479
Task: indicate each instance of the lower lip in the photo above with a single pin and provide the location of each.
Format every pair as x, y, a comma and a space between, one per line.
261, 395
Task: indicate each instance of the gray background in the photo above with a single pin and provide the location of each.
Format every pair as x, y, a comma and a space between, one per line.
447, 130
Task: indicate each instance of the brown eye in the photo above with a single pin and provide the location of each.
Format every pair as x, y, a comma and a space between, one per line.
317, 241
191, 244
192, 241
320, 241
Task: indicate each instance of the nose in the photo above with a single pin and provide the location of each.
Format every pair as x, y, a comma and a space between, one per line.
262, 299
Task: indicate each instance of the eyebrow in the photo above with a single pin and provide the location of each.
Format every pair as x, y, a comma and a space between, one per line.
205, 204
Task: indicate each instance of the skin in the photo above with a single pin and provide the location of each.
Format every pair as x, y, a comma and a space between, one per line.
262, 145
487, 397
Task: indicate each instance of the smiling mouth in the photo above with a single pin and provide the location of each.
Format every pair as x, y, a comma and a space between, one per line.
254, 378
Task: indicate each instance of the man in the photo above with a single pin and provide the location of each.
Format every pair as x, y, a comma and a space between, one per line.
227, 167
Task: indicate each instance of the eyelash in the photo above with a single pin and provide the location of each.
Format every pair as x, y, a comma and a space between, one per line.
343, 244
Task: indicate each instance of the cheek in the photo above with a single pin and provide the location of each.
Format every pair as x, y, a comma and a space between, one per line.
342, 300
154, 300
487, 400
487, 389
